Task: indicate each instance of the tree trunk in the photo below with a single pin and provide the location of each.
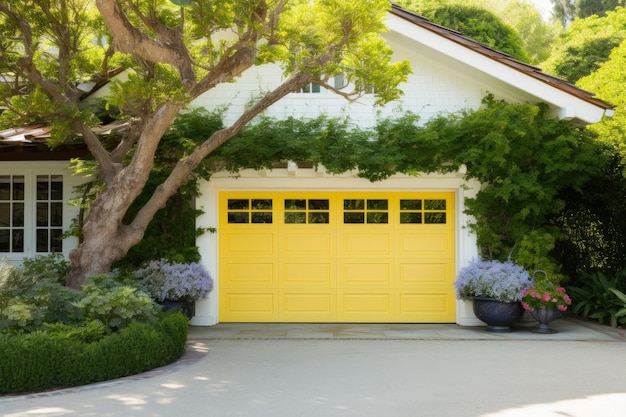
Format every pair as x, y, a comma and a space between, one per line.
105, 241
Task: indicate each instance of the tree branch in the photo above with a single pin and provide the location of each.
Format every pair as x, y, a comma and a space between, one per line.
168, 48
183, 170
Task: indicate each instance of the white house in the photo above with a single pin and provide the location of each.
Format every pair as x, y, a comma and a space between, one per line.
301, 245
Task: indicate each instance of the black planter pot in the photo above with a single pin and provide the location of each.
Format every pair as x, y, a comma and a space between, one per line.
188, 308
498, 315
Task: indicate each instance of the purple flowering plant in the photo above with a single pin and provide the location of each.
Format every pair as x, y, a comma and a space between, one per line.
502, 281
172, 281
545, 294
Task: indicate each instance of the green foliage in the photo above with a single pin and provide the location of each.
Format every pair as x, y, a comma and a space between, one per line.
62, 356
593, 222
622, 297
482, 26
52, 267
523, 158
586, 44
32, 306
522, 18
608, 84
172, 232
567, 11
114, 303
32, 299
594, 297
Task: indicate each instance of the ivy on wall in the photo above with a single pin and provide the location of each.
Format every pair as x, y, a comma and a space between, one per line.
522, 157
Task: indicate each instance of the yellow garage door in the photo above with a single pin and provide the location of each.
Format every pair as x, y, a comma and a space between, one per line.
336, 257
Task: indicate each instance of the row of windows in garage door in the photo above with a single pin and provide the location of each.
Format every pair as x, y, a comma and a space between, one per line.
318, 211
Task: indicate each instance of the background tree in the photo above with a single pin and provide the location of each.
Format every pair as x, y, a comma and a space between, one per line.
521, 17
176, 54
476, 23
566, 11
586, 44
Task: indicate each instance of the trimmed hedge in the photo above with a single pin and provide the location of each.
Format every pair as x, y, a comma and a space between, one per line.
43, 360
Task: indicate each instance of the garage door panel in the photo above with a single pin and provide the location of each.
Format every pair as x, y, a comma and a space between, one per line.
262, 243
412, 274
248, 305
238, 274
308, 306
357, 273
426, 244
365, 244
425, 306
365, 305
307, 274
301, 243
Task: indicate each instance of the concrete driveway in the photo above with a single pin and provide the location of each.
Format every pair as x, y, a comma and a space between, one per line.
364, 370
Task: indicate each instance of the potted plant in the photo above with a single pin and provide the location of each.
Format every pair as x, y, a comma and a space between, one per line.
176, 285
544, 300
495, 288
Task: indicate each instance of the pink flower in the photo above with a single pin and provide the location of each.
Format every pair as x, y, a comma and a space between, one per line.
526, 306
535, 294
554, 300
560, 290
567, 299
546, 297
562, 308
526, 291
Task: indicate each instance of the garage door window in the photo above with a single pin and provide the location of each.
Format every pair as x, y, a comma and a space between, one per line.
423, 211
302, 211
366, 211
249, 210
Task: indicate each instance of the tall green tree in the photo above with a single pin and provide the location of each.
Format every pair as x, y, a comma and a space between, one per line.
586, 44
176, 54
474, 22
522, 17
566, 11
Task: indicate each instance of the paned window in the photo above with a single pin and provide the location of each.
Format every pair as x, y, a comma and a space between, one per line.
49, 213
250, 210
31, 213
12, 203
374, 211
423, 211
302, 211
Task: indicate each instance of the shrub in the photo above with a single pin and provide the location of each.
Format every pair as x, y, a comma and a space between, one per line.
594, 299
114, 303
27, 308
62, 356
46, 268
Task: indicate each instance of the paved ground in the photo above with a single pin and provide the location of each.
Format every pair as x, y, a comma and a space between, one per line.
327, 370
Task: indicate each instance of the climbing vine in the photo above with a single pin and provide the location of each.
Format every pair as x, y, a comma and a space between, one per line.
522, 157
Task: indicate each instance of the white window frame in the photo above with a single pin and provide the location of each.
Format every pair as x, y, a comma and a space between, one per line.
46, 168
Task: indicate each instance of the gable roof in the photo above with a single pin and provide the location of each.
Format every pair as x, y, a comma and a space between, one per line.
573, 103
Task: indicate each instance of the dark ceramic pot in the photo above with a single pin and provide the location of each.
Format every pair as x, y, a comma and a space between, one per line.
498, 315
188, 308
544, 316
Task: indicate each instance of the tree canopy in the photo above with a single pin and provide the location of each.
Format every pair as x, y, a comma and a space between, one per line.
586, 44
174, 54
566, 11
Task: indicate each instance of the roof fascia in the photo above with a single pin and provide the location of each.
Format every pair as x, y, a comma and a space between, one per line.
564, 105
